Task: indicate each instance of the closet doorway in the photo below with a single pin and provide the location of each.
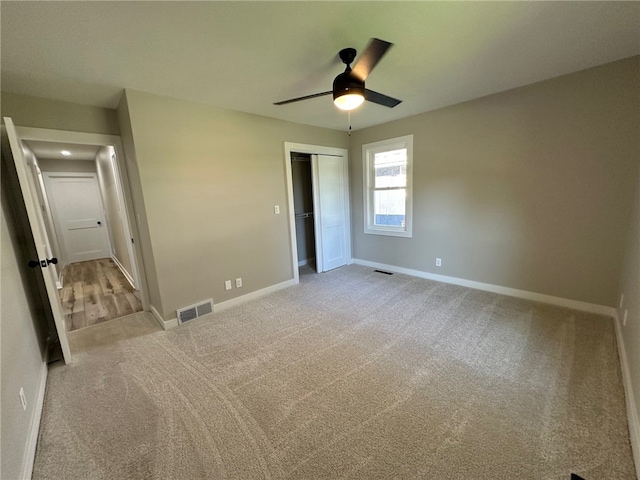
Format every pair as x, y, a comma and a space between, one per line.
319, 216
303, 210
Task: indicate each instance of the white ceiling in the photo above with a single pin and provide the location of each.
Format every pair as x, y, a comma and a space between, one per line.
247, 55
51, 150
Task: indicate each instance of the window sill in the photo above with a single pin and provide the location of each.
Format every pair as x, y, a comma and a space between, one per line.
388, 233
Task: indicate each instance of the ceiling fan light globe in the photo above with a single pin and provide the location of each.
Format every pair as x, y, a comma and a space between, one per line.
349, 101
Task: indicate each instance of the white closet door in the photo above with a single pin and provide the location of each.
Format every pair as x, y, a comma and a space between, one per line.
331, 211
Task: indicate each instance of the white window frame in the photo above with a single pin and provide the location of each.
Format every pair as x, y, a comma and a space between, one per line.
368, 152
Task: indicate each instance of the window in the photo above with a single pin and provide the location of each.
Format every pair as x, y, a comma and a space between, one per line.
387, 181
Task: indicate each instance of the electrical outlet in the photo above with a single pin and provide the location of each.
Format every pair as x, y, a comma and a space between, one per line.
23, 399
238, 282
276, 209
621, 299
227, 284
624, 318
438, 262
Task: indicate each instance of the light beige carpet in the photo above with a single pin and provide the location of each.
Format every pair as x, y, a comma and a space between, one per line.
351, 374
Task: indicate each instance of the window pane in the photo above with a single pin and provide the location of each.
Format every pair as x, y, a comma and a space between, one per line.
389, 208
390, 168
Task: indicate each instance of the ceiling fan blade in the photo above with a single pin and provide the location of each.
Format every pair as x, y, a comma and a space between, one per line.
380, 99
284, 102
370, 58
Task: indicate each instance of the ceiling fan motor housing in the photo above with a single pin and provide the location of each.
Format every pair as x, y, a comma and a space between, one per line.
347, 83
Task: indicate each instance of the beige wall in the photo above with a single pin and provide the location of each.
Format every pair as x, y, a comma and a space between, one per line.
22, 347
210, 179
29, 111
530, 188
144, 248
110, 198
630, 287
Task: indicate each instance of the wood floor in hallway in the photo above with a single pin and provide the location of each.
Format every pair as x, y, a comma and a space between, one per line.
96, 291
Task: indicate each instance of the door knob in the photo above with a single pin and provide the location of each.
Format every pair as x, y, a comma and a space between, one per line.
42, 263
99, 223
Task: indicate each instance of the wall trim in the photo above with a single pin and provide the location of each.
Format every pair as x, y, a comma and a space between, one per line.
126, 274
165, 324
34, 429
168, 324
488, 287
219, 307
632, 415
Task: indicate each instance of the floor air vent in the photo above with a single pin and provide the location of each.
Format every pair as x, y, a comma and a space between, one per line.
382, 271
194, 311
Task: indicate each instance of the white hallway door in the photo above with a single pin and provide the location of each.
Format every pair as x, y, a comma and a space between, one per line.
78, 216
331, 211
12, 148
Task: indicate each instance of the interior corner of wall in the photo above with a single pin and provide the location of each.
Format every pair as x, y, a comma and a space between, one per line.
158, 316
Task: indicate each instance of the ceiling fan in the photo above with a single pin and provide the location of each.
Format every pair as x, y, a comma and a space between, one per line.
348, 87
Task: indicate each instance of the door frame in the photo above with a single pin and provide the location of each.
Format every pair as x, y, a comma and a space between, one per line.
59, 229
123, 184
289, 148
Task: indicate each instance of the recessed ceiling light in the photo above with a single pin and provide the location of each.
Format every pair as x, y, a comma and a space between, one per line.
66, 153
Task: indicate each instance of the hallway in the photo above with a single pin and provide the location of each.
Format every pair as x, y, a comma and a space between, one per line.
94, 292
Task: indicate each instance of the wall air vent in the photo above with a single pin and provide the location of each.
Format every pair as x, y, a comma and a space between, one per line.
194, 311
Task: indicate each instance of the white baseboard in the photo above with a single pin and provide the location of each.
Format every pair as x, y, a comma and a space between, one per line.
165, 324
126, 274
632, 406
34, 429
173, 323
511, 292
219, 307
